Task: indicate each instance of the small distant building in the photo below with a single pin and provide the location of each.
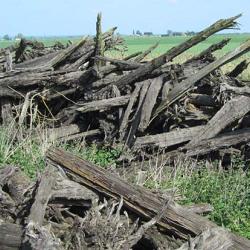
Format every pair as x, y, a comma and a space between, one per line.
148, 34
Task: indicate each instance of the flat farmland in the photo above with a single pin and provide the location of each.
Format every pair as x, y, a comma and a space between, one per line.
141, 43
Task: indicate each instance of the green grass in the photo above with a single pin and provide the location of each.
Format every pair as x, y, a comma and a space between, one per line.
227, 191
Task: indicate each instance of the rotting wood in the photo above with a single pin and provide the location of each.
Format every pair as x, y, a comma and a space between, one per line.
130, 138
149, 103
239, 69
209, 50
230, 112
176, 219
216, 238
102, 104
172, 53
178, 91
41, 198
168, 139
125, 119
10, 236
225, 140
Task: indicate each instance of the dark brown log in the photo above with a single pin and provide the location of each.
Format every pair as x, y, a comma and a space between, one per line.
230, 112
201, 100
132, 56
210, 50
176, 219
182, 88
65, 54
145, 53
239, 69
121, 64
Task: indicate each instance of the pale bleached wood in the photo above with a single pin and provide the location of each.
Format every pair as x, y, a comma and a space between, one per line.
230, 112
168, 139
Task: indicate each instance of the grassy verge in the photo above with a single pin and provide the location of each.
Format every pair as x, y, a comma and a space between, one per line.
228, 191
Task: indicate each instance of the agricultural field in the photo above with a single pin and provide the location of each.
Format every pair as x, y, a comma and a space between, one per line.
136, 43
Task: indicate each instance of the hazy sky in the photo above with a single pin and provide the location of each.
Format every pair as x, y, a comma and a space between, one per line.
77, 17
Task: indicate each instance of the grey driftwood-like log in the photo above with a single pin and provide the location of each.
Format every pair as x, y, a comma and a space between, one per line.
176, 219
10, 236
237, 90
130, 138
230, 112
168, 139
215, 238
149, 103
185, 85
102, 104
172, 53
128, 111
225, 140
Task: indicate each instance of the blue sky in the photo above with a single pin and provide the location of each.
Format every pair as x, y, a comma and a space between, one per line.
77, 17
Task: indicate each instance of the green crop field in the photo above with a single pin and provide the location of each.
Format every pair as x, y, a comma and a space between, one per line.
135, 44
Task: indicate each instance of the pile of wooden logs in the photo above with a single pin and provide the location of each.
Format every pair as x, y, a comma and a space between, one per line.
77, 205
191, 108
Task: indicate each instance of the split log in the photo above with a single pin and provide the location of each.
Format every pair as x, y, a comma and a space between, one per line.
99, 44
61, 132
168, 139
172, 53
36, 235
149, 102
225, 140
102, 104
209, 50
128, 111
239, 69
132, 56
41, 199
145, 53
129, 140
176, 220
182, 88
230, 112
121, 64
